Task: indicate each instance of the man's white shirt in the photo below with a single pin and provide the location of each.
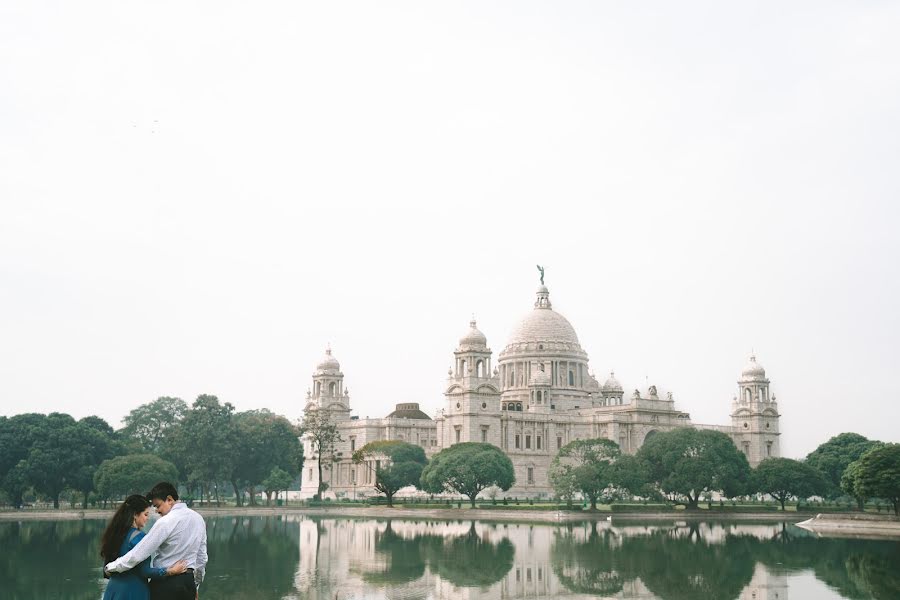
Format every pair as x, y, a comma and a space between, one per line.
179, 535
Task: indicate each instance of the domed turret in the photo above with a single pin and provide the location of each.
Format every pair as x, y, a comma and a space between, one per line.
612, 384
753, 371
328, 364
473, 338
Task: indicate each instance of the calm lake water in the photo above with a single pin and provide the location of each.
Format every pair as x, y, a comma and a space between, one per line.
293, 557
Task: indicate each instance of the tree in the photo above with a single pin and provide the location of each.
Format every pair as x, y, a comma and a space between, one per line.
467, 468
148, 424
832, 457
402, 465
17, 436
277, 480
261, 441
586, 466
690, 461
848, 484
877, 474
323, 435
785, 478
132, 474
201, 444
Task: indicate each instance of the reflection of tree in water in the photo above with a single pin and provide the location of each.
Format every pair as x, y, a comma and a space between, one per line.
404, 560
855, 568
590, 567
55, 559
251, 557
671, 564
466, 560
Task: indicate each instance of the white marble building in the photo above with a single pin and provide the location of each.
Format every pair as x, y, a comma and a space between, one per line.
539, 396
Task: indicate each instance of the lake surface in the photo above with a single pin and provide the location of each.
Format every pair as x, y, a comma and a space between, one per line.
294, 556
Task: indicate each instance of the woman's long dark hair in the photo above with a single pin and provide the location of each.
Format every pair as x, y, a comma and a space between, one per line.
119, 525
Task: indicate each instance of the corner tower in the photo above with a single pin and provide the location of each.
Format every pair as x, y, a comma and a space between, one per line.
328, 390
473, 398
754, 415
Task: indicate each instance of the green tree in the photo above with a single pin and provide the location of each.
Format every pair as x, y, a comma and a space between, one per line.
848, 484
690, 461
401, 467
148, 424
878, 474
261, 441
319, 428
467, 468
785, 478
132, 474
586, 466
201, 445
833, 456
277, 480
18, 435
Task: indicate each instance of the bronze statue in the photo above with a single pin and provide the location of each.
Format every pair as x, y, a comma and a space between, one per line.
541, 269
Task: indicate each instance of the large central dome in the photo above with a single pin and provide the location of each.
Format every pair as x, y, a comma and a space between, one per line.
543, 324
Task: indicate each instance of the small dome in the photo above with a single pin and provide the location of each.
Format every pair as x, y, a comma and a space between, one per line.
408, 410
541, 378
753, 371
612, 384
328, 362
473, 339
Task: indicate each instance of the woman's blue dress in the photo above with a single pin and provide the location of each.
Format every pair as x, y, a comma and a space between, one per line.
132, 584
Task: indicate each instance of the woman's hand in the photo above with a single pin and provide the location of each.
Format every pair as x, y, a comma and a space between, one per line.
178, 568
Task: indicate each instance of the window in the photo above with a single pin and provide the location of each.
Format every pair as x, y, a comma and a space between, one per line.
484, 434
558, 442
537, 442
352, 444
458, 433
746, 448
528, 442
353, 477
517, 440
571, 377
530, 474
768, 448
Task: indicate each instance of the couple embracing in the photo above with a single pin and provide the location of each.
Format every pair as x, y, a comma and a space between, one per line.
178, 538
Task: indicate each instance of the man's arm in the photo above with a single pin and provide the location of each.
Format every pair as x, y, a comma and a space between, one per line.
202, 559
145, 548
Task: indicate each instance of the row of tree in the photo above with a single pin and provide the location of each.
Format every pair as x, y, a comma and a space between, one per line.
685, 464
201, 446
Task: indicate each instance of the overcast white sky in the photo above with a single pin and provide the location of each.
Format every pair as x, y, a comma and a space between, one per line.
198, 197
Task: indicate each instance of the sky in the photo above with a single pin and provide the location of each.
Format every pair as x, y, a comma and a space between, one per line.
199, 197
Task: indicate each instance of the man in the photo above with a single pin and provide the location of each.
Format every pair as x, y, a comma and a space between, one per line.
179, 534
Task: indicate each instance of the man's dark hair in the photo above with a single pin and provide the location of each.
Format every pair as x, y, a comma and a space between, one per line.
161, 491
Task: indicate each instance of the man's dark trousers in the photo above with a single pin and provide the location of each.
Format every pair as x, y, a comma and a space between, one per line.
176, 587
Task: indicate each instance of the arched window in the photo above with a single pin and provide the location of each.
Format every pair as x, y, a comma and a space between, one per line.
748, 395
318, 388
571, 377
332, 388
462, 367
479, 369
518, 406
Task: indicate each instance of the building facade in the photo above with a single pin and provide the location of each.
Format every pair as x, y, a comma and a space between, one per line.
539, 396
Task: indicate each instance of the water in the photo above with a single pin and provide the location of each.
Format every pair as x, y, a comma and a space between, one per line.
292, 557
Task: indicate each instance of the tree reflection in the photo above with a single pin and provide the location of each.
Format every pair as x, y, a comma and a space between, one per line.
51, 559
251, 557
466, 560
677, 563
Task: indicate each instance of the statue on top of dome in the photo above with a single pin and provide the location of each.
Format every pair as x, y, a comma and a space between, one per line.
541, 269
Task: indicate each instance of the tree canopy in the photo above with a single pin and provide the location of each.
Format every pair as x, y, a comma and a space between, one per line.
785, 478
132, 474
832, 457
586, 466
877, 474
148, 424
689, 462
402, 466
467, 468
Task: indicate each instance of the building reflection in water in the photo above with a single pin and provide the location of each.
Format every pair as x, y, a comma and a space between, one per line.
350, 558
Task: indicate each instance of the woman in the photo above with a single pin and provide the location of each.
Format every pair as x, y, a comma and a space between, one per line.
122, 534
